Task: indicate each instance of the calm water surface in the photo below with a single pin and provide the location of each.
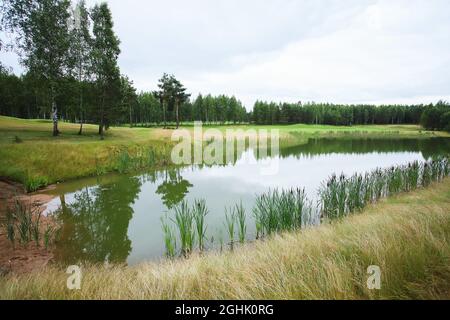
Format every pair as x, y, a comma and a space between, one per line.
117, 218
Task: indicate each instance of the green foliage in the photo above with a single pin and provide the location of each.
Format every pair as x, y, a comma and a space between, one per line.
184, 220
199, 211
230, 222
242, 227
169, 238
277, 211
35, 183
436, 117
334, 114
49, 234
342, 196
10, 226
23, 223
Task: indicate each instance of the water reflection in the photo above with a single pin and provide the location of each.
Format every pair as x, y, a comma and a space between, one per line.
95, 223
117, 218
174, 188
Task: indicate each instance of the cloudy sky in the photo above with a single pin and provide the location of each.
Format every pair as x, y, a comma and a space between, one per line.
343, 51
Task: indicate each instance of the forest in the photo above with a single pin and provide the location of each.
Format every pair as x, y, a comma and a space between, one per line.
432, 116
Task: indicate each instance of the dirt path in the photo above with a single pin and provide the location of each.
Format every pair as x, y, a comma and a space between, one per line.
22, 259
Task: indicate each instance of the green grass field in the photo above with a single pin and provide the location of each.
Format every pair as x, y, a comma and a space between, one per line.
30, 155
407, 236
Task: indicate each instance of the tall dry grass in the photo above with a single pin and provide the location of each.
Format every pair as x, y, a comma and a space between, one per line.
407, 236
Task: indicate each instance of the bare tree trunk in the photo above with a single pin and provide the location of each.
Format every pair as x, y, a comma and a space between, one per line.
54, 115
164, 114
102, 117
80, 132
176, 113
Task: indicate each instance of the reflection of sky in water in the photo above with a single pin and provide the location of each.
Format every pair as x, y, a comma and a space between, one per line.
224, 186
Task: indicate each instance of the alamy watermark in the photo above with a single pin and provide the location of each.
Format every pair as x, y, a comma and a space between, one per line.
74, 278
374, 279
216, 147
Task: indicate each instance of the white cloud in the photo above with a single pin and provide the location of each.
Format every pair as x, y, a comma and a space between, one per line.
386, 53
322, 50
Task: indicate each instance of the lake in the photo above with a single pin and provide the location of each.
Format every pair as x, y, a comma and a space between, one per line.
117, 218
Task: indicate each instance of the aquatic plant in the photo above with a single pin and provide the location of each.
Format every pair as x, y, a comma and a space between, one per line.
276, 211
123, 161
240, 216
184, 221
169, 238
23, 222
35, 228
24, 217
199, 211
10, 226
48, 235
339, 197
230, 222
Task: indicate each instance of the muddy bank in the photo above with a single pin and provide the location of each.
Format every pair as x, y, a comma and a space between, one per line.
21, 259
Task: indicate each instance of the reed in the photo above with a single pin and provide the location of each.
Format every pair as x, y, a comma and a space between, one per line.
340, 197
36, 228
123, 161
241, 217
49, 233
169, 238
230, 222
24, 226
10, 227
184, 221
277, 211
200, 211
23, 223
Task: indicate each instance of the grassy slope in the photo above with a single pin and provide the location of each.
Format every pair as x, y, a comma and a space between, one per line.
68, 156
43, 159
408, 236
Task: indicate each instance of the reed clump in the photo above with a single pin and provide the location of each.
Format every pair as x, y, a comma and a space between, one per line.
341, 196
23, 224
277, 211
189, 223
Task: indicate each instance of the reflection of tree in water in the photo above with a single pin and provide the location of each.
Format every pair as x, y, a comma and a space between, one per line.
95, 225
173, 189
427, 146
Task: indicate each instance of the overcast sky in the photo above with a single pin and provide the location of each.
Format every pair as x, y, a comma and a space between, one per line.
343, 51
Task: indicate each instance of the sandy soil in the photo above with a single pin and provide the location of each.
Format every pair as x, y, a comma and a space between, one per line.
21, 259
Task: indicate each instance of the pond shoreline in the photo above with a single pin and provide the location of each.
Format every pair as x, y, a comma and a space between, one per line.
21, 259
405, 235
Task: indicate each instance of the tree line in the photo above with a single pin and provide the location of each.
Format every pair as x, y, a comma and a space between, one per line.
430, 116
221, 109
